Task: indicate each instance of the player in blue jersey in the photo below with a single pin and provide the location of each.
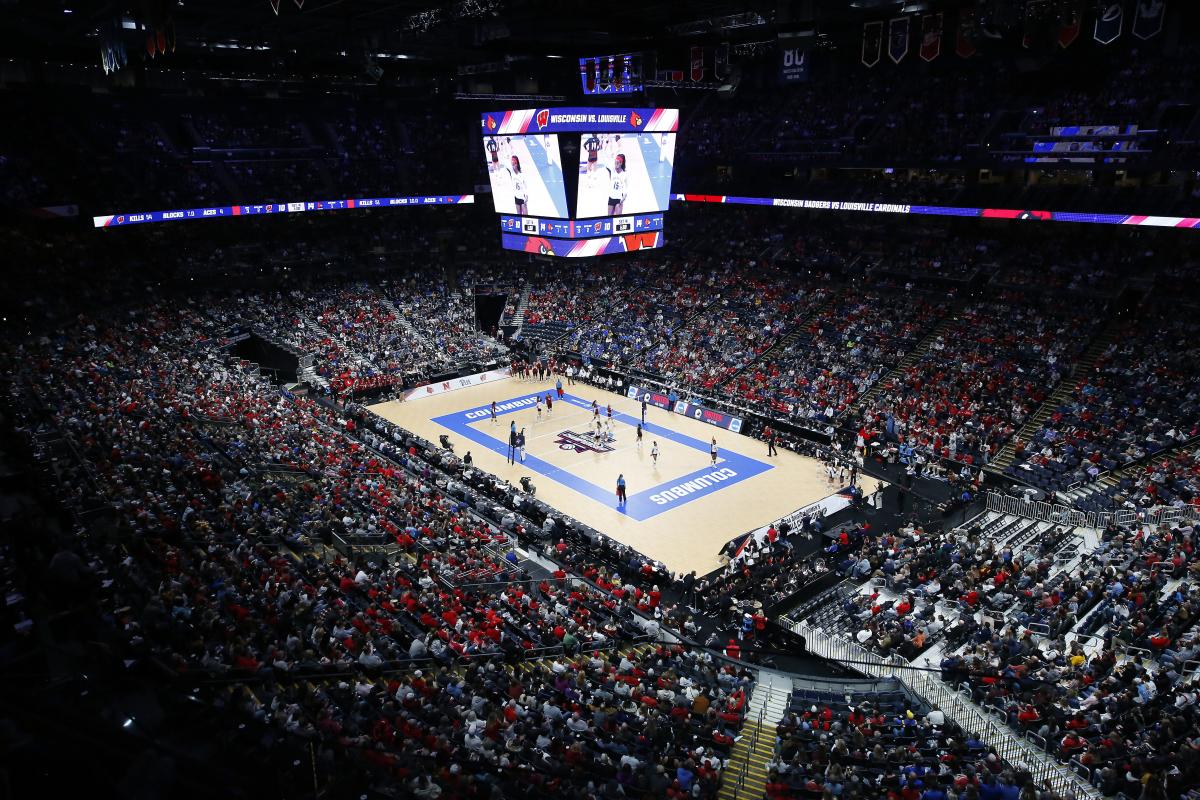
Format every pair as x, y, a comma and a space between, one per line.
597, 178
493, 148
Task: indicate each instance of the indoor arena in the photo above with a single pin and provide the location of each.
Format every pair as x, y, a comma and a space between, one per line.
522, 400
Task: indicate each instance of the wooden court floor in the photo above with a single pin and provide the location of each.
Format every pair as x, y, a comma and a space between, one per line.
681, 509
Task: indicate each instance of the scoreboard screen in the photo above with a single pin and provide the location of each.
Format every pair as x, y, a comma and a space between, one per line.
628, 174
526, 175
622, 186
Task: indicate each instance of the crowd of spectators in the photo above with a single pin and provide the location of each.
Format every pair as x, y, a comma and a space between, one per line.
367, 338
227, 493
1137, 400
164, 152
1089, 649
657, 720
1172, 479
749, 306
943, 117
878, 746
632, 306
987, 369
832, 359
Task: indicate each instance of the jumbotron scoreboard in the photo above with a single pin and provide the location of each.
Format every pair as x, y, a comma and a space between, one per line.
609, 198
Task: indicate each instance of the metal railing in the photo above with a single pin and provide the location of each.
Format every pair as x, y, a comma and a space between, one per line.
956, 705
1059, 514
739, 783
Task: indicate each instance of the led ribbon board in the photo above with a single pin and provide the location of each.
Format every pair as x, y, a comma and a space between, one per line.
221, 212
947, 211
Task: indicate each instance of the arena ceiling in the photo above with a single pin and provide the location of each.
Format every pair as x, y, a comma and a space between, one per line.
404, 36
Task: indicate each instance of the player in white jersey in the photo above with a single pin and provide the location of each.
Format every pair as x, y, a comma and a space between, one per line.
520, 193
618, 186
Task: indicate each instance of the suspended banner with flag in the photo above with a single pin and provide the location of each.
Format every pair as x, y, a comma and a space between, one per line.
697, 64
872, 42
898, 30
721, 61
795, 56
1071, 23
964, 35
588, 67
793, 63
931, 36
1035, 13
1148, 18
1109, 21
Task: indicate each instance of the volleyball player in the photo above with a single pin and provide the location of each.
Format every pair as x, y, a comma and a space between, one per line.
597, 179
520, 192
493, 149
618, 186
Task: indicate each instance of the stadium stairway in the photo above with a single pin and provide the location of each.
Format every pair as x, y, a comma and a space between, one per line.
745, 774
915, 355
522, 307
402, 319
786, 340
1108, 480
1081, 371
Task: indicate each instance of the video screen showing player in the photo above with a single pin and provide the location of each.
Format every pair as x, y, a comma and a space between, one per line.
624, 173
526, 175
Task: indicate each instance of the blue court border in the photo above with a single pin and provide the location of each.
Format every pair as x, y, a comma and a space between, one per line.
641, 505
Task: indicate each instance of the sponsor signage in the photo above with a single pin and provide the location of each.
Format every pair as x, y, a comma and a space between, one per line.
478, 379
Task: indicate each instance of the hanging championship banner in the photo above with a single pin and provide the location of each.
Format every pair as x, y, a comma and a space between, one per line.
964, 37
721, 61
931, 36
589, 71
872, 42
793, 63
1109, 21
1148, 18
1071, 24
697, 63
898, 30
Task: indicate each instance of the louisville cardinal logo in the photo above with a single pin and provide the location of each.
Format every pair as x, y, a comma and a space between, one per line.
635, 120
543, 118
491, 123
